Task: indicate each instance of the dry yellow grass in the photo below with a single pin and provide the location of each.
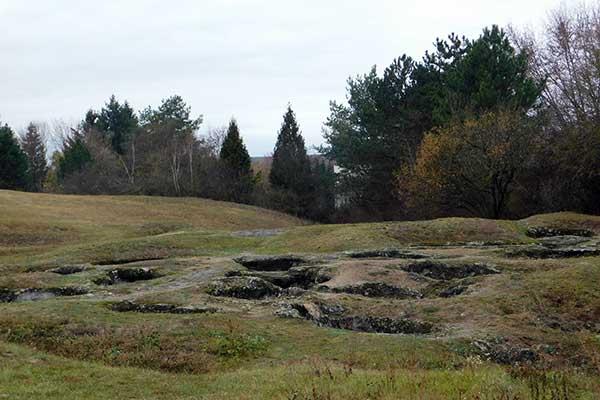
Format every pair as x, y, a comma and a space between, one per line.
41, 219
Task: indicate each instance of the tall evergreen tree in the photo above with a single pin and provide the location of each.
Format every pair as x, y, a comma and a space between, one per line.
172, 125
13, 162
236, 165
34, 147
75, 155
116, 121
490, 75
290, 170
291, 165
374, 134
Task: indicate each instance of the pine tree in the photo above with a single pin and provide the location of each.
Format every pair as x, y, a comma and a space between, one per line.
35, 149
172, 125
491, 75
290, 170
13, 162
173, 112
236, 166
116, 121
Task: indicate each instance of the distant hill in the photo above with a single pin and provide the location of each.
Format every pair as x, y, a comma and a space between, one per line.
49, 220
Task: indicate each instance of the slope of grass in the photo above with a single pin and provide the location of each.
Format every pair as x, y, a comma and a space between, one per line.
45, 224
39, 219
27, 374
564, 220
47, 230
77, 347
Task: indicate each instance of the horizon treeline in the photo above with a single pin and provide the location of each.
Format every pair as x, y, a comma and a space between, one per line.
157, 151
503, 125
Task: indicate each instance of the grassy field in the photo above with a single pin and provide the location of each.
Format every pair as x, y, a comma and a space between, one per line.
42, 229
78, 347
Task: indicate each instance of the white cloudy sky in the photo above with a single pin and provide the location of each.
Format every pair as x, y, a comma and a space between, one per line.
242, 58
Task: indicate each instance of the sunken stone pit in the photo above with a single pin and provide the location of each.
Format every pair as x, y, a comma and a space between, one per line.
128, 275
333, 316
270, 263
443, 271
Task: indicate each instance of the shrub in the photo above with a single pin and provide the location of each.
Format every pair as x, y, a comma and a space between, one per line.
236, 345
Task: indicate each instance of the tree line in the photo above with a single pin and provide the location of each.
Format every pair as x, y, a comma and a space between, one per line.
503, 125
157, 151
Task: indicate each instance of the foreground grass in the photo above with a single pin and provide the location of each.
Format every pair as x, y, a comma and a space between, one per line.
26, 374
88, 330
77, 348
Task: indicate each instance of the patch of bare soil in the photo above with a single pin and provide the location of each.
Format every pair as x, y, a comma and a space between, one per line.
352, 272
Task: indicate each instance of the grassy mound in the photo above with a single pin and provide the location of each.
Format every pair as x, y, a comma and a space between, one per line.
51, 230
47, 224
529, 330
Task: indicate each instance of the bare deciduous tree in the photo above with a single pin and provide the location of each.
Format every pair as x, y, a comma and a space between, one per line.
567, 56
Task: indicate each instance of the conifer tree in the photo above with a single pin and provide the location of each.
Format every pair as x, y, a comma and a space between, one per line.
236, 166
13, 162
290, 170
35, 150
75, 155
291, 165
115, 121
173, 112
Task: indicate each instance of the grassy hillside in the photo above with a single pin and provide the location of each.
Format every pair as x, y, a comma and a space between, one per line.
32, 218
33, 375
44, 230
38, 224
48, 230
80, 347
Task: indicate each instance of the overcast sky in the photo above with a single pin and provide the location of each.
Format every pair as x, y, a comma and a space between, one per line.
242, 58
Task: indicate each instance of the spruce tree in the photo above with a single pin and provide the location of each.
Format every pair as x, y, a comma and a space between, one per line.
13, 162
236, 165
290, 170
35, 150
75, 155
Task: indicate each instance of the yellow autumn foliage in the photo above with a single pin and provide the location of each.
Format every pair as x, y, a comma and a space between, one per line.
469, 166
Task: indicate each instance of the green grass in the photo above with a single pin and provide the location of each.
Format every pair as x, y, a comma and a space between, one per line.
88, 330
75, 348
39, 222
27, 374
47, 230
